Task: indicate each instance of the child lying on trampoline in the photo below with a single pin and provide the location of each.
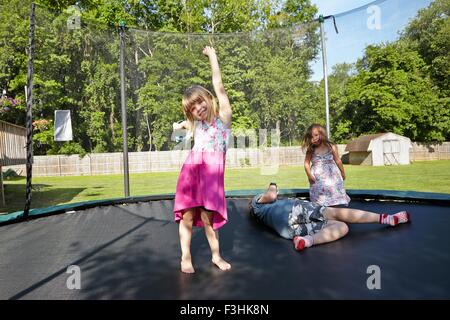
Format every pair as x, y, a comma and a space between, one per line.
309, 224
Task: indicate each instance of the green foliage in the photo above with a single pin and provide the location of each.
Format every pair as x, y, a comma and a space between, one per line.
391, 92
77, 69
429, 34
44, 143
337, 84
287, 13
68, 148
14, 27
264, 49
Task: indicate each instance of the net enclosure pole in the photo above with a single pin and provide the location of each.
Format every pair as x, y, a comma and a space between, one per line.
325, 74
29, 118
126, 177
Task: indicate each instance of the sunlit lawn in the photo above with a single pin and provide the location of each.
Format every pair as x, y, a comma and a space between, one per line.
426, 176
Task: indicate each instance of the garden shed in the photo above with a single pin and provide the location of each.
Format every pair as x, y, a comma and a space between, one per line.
379, 149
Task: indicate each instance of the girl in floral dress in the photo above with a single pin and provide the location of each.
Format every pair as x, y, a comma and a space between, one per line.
324, 169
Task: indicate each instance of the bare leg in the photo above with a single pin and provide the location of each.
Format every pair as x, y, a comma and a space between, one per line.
185, 231
351, 215
213, 240
337, 228
332, 231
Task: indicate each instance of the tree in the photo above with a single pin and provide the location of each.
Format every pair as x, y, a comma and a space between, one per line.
337, 83
429, 35
391, 92
14, 29
265, 67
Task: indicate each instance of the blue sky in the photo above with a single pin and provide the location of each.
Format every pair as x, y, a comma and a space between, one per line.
359, 28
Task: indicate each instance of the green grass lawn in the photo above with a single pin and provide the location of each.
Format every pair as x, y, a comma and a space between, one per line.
426, 176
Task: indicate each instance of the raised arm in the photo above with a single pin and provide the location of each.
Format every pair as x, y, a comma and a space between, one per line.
338, 161
224, 103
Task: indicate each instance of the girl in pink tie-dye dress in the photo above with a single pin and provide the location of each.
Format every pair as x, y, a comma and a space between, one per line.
200, 195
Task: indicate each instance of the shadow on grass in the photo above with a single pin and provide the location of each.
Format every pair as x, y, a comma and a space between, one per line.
43, 195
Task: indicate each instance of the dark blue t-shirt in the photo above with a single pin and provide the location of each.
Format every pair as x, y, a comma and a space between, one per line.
274, 214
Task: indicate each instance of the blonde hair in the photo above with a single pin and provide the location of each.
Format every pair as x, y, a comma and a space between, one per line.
196, 94
307, 144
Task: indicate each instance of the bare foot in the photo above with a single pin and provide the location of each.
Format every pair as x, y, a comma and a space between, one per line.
221, 264
186, 266
272, 192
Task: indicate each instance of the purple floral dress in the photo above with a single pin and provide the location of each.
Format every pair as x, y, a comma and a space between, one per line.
328, 190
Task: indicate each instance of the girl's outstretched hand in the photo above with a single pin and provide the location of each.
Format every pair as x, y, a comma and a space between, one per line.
209, 51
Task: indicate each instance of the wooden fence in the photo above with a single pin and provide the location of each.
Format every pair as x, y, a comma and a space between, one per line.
12, 144
12, 149
421, 151
160, 161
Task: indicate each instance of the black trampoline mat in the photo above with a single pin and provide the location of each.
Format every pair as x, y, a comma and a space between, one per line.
132, 252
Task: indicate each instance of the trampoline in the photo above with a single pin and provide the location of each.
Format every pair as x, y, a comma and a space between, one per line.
129, 249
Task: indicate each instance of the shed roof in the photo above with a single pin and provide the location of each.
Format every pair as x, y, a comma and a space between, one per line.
362, 143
